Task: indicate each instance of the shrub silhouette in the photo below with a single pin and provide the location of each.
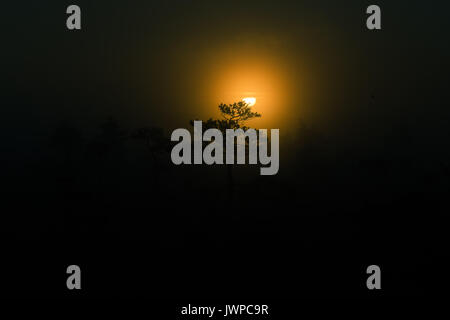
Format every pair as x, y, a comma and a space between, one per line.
234, 115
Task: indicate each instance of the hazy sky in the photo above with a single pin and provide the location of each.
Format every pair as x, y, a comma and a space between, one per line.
165, 62
365, 182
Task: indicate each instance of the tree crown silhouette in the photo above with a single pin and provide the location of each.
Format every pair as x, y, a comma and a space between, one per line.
233, 116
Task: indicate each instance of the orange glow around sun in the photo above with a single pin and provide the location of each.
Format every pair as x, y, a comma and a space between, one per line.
261, 83
232, 71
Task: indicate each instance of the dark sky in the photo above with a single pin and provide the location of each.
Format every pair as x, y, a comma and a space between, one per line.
162, 63
364, 130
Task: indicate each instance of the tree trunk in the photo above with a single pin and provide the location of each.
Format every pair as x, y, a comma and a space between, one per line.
230, 182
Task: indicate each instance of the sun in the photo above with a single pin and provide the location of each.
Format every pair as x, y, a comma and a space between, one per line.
250, 101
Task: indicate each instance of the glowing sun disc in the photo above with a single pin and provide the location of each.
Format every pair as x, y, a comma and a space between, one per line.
250, 101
